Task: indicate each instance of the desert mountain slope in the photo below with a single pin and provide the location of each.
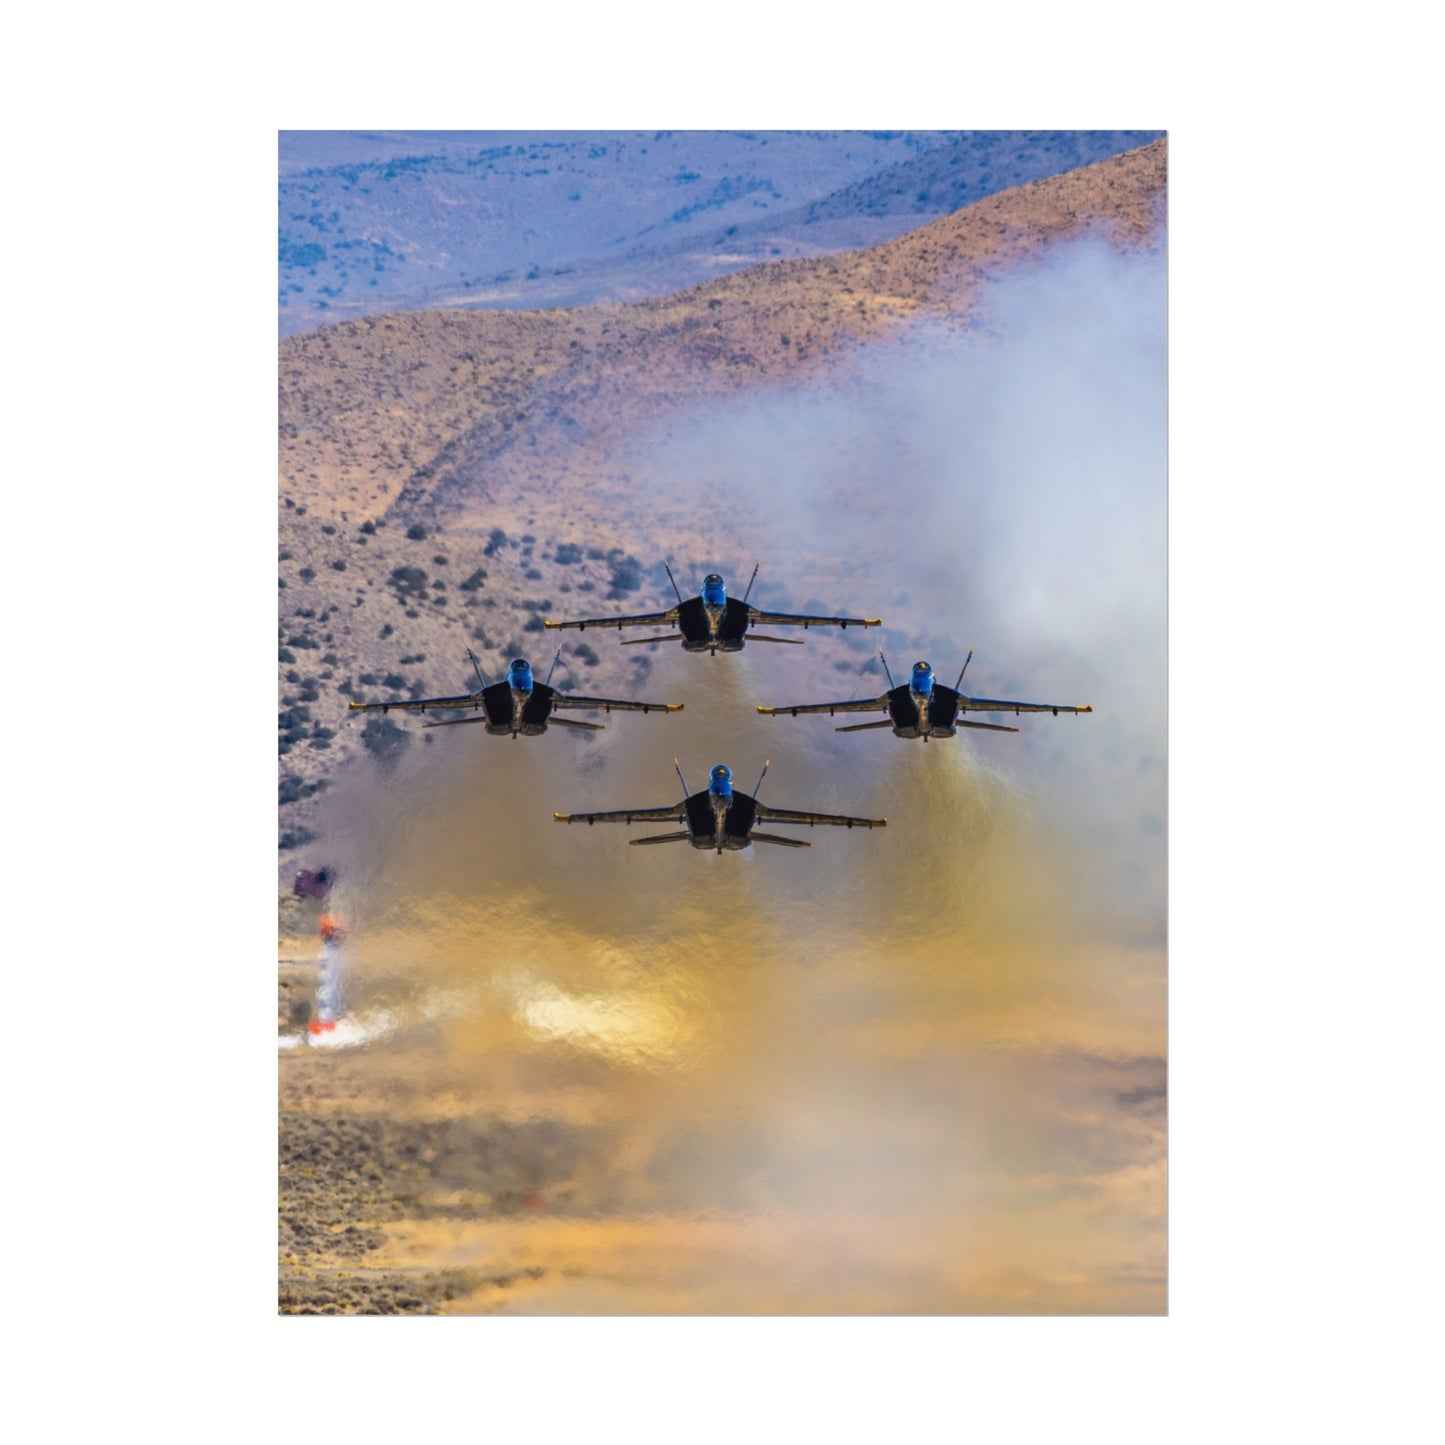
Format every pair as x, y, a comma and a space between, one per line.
373, 223
448, 477
384, 412
370, 223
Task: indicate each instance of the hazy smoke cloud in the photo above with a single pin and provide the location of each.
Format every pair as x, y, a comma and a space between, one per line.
910, 1069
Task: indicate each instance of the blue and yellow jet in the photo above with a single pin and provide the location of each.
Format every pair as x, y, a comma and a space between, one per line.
721, 817
922, 707
518, 705
714, 622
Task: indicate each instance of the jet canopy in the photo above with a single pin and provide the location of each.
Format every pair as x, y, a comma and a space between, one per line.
519, 675
714, 590
720, 781
922, 678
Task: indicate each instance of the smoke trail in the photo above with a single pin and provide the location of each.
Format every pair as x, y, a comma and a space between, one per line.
917, 1068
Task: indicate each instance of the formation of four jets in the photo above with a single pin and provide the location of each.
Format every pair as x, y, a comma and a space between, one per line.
720, 817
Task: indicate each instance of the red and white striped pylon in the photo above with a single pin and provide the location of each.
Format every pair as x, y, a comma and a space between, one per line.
328, 984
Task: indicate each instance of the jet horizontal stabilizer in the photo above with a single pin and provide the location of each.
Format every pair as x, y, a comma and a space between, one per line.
756, 837
680, 837
888, 723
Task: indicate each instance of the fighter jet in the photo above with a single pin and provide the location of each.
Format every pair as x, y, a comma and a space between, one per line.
518, 704
720, 818
715, 622
924, 708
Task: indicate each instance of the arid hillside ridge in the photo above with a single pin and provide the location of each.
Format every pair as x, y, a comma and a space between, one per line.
448, 478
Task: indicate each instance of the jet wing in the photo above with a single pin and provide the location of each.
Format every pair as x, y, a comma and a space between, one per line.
865, 704
789, 815
607, 704
993, 704
644, 619
793, 619
675, 814
420, 704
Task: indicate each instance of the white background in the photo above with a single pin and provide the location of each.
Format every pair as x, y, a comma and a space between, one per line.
1304, 784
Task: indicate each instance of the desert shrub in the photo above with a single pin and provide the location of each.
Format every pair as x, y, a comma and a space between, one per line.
296, 838
285, 654
415, 657
384, 740
293, 788
569, 554
495, 538
394, 680
584, 653
439, 560
386, 630
626, 577
533, 574
338, 566
306, 573
408, 581
474, 582
416, 532
368, 528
